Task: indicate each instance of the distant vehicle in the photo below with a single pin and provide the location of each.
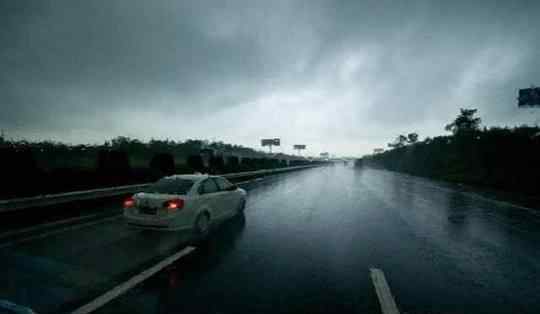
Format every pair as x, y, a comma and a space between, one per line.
184, 202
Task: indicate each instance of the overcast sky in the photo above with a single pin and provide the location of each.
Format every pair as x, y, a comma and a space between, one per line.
338, 76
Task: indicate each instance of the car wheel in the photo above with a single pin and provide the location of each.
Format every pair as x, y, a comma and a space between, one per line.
241, 207
202, 224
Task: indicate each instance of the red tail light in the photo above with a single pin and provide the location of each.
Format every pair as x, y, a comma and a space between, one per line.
174, 205
129, 202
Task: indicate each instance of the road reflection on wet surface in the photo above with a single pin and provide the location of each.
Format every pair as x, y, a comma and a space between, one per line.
307, 242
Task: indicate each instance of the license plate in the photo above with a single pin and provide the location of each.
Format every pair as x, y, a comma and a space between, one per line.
147, 210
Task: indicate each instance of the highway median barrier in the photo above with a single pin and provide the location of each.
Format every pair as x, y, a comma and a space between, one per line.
62, 198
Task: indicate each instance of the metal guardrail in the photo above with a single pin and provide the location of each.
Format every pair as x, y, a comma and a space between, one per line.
54, 199
262, 172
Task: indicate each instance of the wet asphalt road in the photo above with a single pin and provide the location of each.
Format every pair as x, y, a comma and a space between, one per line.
308, 240
305, 245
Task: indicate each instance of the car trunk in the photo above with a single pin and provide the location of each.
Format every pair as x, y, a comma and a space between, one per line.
150, 203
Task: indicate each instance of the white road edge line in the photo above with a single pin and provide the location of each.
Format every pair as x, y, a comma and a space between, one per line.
477, 196
386, 300
53, 232
132, 282
472, 195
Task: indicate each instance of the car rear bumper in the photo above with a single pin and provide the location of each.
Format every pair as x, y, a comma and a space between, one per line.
154, 222
144, 226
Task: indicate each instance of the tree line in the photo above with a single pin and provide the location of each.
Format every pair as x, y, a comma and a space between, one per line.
46, 167
504, 158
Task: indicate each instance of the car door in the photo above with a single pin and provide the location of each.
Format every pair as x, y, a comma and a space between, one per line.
228, 198
209, 198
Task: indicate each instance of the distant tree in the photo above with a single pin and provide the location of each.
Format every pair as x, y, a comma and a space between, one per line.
195, 162
412, 138
20, 171
191, 147
400, 141
246, 164
232, 164
217, 164
464, 123
163, 163
113, 162
52, 167
267, 163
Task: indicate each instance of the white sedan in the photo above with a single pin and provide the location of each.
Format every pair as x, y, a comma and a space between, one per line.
183, 202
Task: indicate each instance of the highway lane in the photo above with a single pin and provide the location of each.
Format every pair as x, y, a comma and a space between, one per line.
50, 273
53, 268
306, 244
308, 241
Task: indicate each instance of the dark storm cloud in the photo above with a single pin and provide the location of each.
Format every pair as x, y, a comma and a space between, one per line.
343, 76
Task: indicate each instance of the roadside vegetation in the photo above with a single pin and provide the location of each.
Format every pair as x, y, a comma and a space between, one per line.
502, 158
34, 168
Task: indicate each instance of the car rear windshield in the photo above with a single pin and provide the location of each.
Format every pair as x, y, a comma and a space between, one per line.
170, 186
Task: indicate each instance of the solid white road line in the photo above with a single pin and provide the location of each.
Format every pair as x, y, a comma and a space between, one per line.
127, 285
477, 196
57, 231
472, 195
386, 300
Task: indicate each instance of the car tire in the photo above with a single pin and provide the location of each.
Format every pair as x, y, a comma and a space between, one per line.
241, 207
202, 225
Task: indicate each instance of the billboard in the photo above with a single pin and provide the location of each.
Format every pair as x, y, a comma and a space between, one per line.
270, 142
529, 97
298, 146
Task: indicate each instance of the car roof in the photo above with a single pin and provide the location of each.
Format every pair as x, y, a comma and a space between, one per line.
192, 177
